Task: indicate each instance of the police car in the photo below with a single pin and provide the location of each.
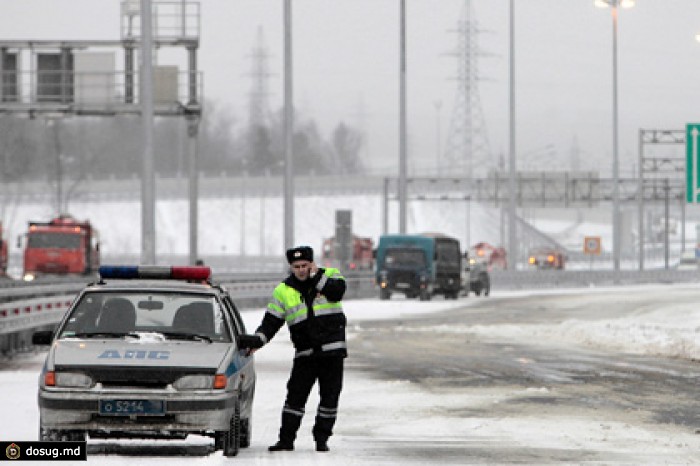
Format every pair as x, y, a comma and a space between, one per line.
148, 352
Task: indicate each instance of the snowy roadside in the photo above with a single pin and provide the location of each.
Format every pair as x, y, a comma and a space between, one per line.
379, 416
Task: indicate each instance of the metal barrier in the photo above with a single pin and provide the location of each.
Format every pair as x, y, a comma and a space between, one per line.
26, 309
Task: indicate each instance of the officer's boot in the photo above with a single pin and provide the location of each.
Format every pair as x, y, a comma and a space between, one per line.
322, 445
288, 432
323, 428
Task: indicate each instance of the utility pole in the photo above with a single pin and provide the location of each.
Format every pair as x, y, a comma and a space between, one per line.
288, 130
148, 182
403, 164
512, 232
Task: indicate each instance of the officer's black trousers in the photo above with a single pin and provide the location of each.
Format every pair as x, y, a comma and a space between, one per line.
328, 370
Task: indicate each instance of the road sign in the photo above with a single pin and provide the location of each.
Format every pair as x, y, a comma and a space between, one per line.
692, 165
591, 245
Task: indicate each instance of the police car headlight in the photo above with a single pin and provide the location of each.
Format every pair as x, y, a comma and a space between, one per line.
194, 382
73, 380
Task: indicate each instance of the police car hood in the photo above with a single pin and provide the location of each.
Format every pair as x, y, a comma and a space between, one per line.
135, 352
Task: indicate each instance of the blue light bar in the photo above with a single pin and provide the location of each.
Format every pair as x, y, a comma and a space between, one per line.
155, 272
119, 271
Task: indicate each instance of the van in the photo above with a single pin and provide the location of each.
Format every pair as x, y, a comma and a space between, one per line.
418, 266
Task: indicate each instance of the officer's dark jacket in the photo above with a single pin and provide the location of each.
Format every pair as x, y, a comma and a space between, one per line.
313, 312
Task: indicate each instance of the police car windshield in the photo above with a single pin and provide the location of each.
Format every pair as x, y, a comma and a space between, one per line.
177, 316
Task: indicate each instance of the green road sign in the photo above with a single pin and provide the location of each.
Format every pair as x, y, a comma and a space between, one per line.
692, 164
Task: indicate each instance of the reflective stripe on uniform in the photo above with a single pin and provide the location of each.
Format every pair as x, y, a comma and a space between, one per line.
295, 311
262, 337
276, 308
296, 412
307, 352
328, 309
274, 312
327, 347
322, 282
299, 317
330, 413
334, 345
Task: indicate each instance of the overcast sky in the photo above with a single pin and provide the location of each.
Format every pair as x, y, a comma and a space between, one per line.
346, 68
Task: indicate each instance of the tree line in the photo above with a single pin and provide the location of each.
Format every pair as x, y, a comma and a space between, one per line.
100, 147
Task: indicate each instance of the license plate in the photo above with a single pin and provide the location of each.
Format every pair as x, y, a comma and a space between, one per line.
403, 285
129, 407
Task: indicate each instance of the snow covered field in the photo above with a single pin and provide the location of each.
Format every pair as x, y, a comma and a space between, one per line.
377, 416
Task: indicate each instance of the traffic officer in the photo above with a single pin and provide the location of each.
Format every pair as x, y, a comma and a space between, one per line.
309, 301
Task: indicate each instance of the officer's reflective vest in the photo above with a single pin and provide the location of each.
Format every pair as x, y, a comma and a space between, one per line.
289, 304
322, 330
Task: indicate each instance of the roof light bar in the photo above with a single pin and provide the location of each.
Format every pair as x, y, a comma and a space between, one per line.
158, 272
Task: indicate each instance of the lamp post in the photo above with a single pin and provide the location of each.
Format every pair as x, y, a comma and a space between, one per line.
288, 130
614, 5
512, 233
403, 164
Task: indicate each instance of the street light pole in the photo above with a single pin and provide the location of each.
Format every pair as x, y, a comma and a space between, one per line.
512, 232
614, 5
148, 195
616, 155
288, 130
403, 163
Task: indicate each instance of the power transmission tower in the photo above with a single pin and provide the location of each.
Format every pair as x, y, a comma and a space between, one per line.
467, 145
259, 110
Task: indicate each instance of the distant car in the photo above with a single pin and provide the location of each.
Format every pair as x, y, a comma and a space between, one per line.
546, 258
148, 352
476, 278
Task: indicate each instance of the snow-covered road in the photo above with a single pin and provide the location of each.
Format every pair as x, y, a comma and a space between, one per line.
395, 422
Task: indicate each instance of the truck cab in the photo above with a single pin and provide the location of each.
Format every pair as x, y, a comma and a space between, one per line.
62, 246
418, 266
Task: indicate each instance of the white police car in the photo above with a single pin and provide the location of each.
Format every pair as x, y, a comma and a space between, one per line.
148, 352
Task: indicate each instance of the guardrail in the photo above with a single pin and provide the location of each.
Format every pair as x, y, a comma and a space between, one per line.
537, 279
28, 308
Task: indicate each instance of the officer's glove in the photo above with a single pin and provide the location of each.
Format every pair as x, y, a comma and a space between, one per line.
249, 341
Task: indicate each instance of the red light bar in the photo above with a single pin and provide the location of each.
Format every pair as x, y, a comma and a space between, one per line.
158, 272
194, 272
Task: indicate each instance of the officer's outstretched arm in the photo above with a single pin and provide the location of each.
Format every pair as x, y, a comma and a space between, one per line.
269, 327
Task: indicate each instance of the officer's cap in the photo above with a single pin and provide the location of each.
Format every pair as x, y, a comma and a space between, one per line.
300, 253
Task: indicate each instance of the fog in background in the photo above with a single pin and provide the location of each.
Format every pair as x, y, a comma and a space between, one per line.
346, 69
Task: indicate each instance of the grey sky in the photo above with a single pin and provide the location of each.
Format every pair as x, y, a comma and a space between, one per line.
346, 67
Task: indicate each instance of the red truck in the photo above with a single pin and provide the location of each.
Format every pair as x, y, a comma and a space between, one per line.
61, 246
362, 254
493, 257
